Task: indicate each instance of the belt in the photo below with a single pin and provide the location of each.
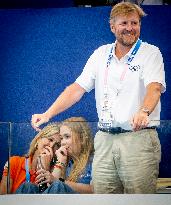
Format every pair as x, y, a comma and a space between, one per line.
118, 130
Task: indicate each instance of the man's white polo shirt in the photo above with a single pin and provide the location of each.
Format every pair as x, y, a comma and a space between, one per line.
146, 67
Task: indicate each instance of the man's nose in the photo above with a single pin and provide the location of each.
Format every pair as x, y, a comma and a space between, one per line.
129, 27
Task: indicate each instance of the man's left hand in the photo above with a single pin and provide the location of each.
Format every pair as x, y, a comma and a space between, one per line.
139, 121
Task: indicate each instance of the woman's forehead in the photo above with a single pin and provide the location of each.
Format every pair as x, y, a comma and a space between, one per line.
52, 135
64, 129
55, 136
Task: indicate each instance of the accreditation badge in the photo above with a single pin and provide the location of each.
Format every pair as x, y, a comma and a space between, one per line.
106, 118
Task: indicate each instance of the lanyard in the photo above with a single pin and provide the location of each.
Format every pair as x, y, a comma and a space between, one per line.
129, 60
27, 170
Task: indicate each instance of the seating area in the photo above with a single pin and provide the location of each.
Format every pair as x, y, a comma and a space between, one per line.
16, 137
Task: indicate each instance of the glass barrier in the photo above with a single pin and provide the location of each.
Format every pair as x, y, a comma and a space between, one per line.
4, 144
15, 139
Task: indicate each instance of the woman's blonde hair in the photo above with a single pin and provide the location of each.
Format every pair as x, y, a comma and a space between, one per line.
80, 132
125, 8
47, 131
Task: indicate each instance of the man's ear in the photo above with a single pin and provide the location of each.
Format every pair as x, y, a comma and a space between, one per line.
112, 28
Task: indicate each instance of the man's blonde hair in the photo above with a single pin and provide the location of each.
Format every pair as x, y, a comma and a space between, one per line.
124, 9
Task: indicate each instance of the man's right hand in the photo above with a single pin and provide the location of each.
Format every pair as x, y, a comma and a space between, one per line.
39, 119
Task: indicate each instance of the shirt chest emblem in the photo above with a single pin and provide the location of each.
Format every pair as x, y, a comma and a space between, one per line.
134, 68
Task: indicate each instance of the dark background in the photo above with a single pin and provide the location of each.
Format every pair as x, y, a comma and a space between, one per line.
64, 3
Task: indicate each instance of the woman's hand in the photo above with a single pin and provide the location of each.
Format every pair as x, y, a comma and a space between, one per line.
44, 177
46, 157
61, 154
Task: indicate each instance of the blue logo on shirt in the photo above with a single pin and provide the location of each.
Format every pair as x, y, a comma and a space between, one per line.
134, 68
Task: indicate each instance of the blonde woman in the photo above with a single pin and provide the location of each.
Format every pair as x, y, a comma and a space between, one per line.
25, 168
74, 158
72, 171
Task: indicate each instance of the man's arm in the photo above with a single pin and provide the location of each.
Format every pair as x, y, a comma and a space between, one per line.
140, 119
66, 99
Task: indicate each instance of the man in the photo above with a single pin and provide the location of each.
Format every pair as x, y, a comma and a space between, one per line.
128, 77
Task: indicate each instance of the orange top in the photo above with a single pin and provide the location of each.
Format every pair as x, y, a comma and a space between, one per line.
18, 172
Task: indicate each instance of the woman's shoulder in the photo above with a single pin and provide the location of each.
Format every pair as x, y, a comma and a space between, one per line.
85, 177
16, 159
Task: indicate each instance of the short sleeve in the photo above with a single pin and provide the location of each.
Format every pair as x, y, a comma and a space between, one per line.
87, 78
154, 69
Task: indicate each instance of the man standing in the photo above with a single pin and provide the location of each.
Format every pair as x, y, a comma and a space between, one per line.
128, 77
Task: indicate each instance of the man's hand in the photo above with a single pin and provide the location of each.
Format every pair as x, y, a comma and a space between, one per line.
39, 119
140, 120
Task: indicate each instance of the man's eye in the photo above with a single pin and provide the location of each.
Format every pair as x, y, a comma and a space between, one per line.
134, 23
124, 23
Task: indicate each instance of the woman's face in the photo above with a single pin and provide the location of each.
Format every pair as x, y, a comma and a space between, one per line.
67, 141
53, 141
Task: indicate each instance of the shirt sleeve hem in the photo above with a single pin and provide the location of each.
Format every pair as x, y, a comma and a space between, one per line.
157, 81
83, 86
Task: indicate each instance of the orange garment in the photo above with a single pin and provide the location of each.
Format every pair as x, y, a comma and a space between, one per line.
18, 172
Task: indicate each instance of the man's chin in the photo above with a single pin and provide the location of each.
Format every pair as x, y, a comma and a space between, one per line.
125, 43
129, 42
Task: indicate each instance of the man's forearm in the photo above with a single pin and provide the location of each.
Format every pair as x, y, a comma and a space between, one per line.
68, 97
140, 119
152, 96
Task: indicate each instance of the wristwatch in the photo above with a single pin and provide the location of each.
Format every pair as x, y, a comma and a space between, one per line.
146, 110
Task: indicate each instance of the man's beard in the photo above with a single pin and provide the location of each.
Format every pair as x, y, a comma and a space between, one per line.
126, 40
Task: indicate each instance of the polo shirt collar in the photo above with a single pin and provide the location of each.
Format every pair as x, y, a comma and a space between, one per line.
125, 58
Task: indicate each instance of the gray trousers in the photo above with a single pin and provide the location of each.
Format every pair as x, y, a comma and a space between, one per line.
126, 162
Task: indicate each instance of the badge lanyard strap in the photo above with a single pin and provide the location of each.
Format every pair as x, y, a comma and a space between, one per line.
131, 57
27, 170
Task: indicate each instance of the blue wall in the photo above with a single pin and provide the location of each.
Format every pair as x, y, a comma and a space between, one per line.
44, 50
